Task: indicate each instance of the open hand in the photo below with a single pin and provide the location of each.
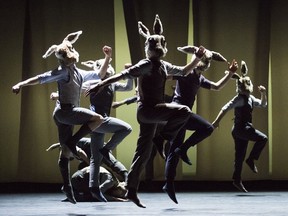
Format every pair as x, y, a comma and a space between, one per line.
233, 66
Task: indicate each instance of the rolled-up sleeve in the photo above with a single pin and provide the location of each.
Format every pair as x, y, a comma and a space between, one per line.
257, 102
235, 102
142, 67
173, 69
53, 76
128, 86
89, 75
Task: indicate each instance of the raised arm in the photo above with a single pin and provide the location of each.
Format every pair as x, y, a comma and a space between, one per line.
262, 91
31, 81
232, 68
104, 67
195, 60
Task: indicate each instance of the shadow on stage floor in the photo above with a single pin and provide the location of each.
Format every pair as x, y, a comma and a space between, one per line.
265, 198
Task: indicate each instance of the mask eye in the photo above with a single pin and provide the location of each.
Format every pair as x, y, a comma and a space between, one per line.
248, 82
163, 41
63, 53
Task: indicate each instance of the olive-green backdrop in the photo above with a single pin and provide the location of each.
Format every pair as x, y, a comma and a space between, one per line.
254, 31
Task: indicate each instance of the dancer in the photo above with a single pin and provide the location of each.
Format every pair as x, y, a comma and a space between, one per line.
112, 184
83, 149
101, 103
159, 145
243, 130
67, 112
152, 73
185, 94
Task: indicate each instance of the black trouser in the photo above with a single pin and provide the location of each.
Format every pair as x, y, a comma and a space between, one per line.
202, 129
148, 117
242, 134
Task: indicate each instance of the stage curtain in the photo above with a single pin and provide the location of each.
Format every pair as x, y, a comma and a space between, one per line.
241, 31
253, 31
28, 128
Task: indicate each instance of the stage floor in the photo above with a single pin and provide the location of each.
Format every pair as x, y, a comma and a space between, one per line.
190, 203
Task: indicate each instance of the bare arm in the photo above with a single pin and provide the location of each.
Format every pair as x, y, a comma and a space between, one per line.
95, 88
104, 67
262, 91
219, 117
127, 101
81, 153
232, 68
31, 81
195, 60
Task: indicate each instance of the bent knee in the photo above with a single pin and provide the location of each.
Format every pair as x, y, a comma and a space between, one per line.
129, 130
97, 119
65, 152
210, 129
185, 111
265, 139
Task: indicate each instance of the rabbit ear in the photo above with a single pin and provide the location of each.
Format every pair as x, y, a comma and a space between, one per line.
244, 68
143, 30
72, 37
157, 27
51, 50
218, 57
188, 49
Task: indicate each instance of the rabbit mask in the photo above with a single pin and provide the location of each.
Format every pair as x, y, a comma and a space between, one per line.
155, 45
65, 52
96, 65
243, 82
205, 62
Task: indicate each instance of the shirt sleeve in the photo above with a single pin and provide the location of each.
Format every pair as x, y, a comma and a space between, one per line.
54, 76
128, 86
142, 67
235, 102
89, 75
173, 69
205, 83
256, 101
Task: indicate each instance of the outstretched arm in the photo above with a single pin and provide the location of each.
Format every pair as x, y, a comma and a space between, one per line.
232, 68
127, 101
96, 87
31, 81
219, 117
